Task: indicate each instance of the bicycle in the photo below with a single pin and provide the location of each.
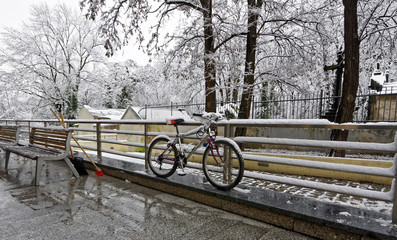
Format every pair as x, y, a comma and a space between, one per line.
222, 163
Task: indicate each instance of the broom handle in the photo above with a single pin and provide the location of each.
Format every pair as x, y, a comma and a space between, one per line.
75, 140
63, 124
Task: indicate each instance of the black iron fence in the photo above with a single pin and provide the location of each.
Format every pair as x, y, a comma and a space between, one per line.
373, 106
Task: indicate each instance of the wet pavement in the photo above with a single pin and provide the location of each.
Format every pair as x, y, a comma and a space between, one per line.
93, 207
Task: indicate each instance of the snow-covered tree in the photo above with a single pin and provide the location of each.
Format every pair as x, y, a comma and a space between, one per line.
122, 19
52, 57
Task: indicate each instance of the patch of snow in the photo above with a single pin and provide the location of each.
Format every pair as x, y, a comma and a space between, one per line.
242, 190
345, 214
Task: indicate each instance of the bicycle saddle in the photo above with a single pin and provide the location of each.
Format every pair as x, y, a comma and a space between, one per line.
175, 121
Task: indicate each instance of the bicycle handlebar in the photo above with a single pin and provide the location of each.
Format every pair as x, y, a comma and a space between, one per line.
209, 116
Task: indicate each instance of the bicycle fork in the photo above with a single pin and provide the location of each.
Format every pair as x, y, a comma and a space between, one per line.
181, 155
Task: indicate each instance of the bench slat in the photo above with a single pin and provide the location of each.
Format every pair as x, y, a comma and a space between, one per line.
49, 138
9, 134
43, 140
32, 152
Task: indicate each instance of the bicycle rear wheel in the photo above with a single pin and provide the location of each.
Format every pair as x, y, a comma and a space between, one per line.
223, 165
162, 157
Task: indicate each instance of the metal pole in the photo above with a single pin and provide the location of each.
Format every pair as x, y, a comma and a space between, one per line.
146, 147
98, 143
228, 158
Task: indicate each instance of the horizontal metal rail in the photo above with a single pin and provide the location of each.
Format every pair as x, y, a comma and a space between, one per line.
382, 147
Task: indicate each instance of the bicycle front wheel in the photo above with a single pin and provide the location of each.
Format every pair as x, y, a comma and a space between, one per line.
162, 157
223, 165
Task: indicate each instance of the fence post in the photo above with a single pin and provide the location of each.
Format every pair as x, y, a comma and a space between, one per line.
252, 108
321, 104
145, 111
171, 108
98, 142
146, 147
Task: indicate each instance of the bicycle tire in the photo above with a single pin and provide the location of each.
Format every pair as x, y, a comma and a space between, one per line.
160, 164
217, 174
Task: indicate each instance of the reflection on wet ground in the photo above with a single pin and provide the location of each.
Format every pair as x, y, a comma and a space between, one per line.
93, 207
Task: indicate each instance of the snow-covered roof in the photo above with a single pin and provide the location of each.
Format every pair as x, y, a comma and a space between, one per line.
160, 113
112, 114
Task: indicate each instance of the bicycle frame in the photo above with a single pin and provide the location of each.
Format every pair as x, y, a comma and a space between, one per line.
207, 138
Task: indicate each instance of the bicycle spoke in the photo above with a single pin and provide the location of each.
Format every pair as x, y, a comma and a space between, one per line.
162, 157
223, 166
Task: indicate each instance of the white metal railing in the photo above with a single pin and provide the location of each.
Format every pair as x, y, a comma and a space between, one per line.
229, 127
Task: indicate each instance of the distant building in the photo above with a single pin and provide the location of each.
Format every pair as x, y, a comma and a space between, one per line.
383, 96
382, 83
90, 113
131, 113
87, 112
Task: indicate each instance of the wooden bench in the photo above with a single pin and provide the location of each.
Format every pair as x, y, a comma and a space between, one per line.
44, 144
9, 135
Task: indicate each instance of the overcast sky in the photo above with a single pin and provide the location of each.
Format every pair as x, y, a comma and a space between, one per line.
14, 12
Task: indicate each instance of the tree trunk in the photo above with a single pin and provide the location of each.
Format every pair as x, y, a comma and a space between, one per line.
250, 58
351, 73
209, 62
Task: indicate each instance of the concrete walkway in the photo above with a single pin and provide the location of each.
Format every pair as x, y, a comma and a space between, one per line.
93, 207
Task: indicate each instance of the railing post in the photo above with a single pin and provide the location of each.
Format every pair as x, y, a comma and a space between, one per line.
146, 147
98, 142
228, 157
394, 184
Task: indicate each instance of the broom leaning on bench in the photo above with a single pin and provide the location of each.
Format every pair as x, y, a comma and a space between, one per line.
98, 171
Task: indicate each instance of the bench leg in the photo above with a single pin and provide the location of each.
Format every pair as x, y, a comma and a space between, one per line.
7, 159
39, 166
69, 163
